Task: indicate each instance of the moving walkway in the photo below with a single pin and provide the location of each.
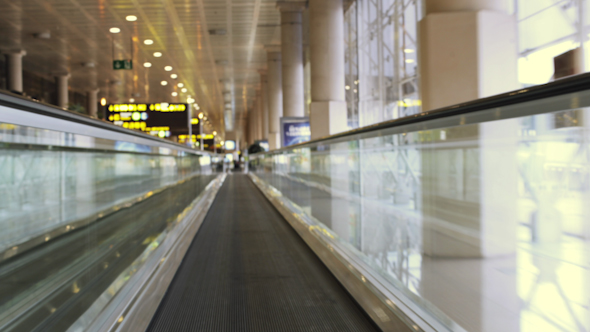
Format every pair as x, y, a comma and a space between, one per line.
468, 218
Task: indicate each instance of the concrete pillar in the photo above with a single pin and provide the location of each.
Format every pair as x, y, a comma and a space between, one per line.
62, 90
264, 100
328, 102
258, 114
14, 66
275, 96
292, 62
92, 107
471, 43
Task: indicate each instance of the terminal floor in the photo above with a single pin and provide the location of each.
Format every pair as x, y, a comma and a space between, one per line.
248, 270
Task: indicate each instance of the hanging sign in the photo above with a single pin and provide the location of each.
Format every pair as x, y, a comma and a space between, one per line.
126, 64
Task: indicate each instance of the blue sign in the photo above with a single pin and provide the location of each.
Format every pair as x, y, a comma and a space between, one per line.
296, 132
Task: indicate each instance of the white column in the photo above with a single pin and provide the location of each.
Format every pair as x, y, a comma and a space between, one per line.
14, 66
92, 106
275, 95
292, 52
264, 100
328, 102
62, 90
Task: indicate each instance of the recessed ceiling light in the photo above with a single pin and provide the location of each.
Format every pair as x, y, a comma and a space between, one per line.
184, 90
131, 100
173, 76
147, 64
409, 60
168, 68
157, 54
409, 50
131, 18
174, 94
180, 85
164, 83
148, 42
114, 30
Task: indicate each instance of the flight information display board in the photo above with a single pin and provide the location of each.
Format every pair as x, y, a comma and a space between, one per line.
161, 119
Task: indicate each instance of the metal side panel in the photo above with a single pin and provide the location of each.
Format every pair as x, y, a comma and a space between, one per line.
389, 309
135, 304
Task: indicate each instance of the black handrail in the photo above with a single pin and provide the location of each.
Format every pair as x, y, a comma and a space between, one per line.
19, 102
563, 86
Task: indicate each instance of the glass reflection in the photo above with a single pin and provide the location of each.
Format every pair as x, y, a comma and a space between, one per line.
485, 224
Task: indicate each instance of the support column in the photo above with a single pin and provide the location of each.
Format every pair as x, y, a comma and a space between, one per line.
62, 90
467, 50
258, 114
292, 62
328, 102
92, 107
14, 66
264, 100
275, 96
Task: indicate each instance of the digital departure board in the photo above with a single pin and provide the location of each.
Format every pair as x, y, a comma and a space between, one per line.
161, 119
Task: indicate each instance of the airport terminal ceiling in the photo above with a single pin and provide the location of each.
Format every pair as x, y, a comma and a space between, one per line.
214, 47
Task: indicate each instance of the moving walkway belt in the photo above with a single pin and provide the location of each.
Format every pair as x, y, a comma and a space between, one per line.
248, 270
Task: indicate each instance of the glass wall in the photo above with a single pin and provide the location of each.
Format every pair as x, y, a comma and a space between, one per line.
482, 220
382, 74
80, 215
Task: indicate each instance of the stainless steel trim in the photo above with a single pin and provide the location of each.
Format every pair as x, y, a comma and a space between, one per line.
134, 305
390, 309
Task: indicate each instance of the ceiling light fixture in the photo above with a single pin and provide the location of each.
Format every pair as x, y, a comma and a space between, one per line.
114, 30
409, 50
409, 60
103, 102
184, 90
173, 76
157, 54
131, 18
168, 68
148, 42
180, 85
131, 100
174, 94
147, 64
201, 115
164, 83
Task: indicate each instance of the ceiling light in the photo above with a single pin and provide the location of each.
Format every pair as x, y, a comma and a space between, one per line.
103, 101
147, 64
201, 115
164, 83
184, 90
114, 30
131, 100
409, 50
214, 133
174, 94
168, 68
148, 42
409, 60
173, 76
131, 18
180, 85
157, 54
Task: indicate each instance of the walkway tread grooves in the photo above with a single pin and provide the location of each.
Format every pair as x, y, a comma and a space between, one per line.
248, 270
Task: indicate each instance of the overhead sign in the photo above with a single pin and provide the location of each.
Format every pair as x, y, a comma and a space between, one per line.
126, 64
161, 119
294, 130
